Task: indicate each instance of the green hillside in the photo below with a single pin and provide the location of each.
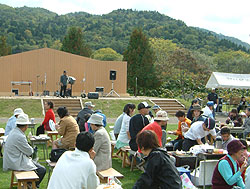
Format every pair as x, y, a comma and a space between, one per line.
31, 28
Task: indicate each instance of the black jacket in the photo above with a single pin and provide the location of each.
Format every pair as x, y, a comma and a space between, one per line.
80, 118
160, 172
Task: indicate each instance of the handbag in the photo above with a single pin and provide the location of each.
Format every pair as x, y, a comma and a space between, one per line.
56, 154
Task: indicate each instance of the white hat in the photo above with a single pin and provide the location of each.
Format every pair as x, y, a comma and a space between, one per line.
96, 119
18, 111
23, 119
89, 103
161, 116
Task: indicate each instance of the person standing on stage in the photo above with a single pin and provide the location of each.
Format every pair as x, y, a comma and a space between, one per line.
63, 83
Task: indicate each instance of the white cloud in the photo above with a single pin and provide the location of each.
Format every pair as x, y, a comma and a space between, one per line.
228, 17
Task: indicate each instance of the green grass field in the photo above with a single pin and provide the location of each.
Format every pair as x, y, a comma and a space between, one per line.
127, 182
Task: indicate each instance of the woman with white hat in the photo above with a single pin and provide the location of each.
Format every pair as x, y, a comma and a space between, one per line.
102, 145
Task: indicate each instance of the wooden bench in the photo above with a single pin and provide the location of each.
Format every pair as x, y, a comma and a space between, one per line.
103, 175
113, 143
51, 166
23, 177
123, 154
51, 134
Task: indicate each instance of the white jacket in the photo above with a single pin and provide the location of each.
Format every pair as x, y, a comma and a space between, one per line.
74, 170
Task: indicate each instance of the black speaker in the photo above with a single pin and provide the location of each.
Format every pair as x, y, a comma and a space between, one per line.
99, 89
112, 75
93, 95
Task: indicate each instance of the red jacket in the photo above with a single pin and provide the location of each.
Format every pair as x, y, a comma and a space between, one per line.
156, 128
48, 115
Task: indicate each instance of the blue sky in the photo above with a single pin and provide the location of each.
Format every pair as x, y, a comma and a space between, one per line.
229, 17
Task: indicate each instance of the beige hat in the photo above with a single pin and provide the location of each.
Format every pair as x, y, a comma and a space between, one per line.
89, 103
161, 116
96, 119
23, 119
18, 111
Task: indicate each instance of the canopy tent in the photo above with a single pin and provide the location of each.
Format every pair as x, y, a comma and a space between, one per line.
229, 80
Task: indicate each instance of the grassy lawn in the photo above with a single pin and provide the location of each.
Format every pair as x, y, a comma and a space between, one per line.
127, 182
111, 108
31, 107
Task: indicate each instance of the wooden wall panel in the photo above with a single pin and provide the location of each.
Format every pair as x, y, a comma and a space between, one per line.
28, 65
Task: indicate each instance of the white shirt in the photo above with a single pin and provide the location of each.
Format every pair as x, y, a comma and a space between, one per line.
74, 169
123, 136
207, 112
196, 131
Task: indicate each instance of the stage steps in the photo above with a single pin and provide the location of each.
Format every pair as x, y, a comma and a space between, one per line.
169, 105
73, 105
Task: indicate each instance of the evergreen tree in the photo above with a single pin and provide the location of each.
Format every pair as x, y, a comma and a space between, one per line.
140, 59
4, 48
74, 43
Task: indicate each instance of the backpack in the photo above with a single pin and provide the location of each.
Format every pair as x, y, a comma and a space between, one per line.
56, 154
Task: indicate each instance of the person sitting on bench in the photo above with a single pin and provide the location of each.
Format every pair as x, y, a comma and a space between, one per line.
17, 151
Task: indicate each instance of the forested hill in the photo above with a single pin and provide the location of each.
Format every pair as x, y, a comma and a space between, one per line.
30, 28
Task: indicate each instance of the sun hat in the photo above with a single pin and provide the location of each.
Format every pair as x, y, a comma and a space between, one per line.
197, 107
18, 111
161, 116
156, 107
143, 105
234, 146
96, 119
23, 119
89, 103
210, 123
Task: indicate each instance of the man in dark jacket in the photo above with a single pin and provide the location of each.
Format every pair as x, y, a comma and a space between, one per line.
137, 123
81, 115
63, 83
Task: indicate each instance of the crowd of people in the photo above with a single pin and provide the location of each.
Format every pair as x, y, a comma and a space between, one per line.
145, 133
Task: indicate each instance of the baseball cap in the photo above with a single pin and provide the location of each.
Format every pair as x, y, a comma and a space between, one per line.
155, 107
143, 105
210, 123
210, 103
89, 103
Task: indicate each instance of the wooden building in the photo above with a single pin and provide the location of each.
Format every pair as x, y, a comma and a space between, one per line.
38, 70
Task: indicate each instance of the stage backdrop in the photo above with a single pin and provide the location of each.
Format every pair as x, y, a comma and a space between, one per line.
32, 66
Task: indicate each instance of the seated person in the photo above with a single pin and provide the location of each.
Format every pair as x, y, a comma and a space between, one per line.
227, 172
183, 125
234, 118
80, 119
225, 136
76, 169
49, 115
124, 135
242, 105
137, 123
160, 121
67, 128
190, 114
198, 131
246, 124
197, 113
102, 145
11, 124
17, 151
245, 156
208, 110
118, 123
159, 172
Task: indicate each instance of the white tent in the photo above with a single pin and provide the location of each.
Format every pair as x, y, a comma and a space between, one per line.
229, 80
